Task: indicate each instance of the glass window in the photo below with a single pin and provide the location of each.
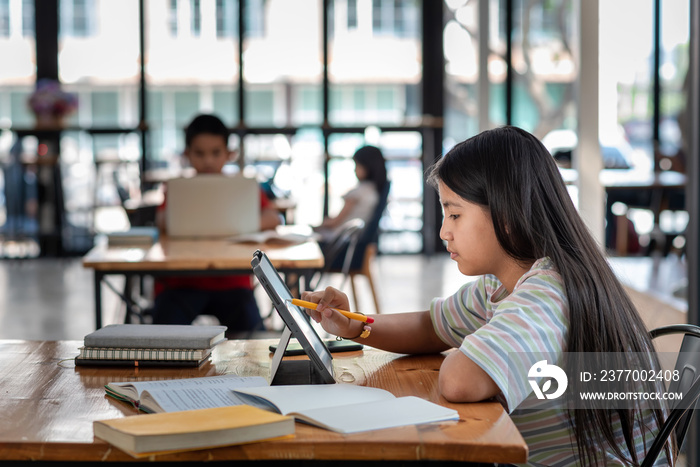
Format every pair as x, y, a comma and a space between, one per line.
359, 100
260, 106
101, 58
225, 103
381, 89
290, 166
196, 18
28, 18
377, 16
255, 17
4, 18
172, 18
390, 66
18, 69
395, 18
16, 18
226, 19
281, 56
159, 156
186, 107
675, 37
103, 105
78, 17
626, 56
461, 51
352, 14
193, 69
544, 66
19, 113
309, 110
385, 99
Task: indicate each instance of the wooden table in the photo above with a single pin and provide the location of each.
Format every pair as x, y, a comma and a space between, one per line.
653, 189
48, 406
196, 257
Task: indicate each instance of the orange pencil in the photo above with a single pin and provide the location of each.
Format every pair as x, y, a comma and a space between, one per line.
347, 314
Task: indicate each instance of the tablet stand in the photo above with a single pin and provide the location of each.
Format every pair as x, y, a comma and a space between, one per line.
284, 372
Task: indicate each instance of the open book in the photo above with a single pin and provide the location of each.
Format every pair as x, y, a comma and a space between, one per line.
345, 408
183, 394
273, 237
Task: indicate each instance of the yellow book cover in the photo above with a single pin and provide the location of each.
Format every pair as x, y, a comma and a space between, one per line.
148, 434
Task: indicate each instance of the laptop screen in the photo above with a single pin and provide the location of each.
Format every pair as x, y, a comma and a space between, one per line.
212, 205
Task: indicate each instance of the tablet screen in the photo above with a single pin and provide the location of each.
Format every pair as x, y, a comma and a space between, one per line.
294, 317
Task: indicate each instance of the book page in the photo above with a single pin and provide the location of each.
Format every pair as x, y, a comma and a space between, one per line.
188, 393
296, 398
377, 415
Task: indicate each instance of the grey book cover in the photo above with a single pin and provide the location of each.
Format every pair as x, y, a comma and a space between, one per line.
163, 336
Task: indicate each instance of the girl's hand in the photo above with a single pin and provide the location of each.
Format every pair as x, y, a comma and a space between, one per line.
332, 321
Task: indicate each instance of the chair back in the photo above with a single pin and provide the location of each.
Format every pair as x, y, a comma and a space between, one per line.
343, 246
370, 235
688, 384
341, 249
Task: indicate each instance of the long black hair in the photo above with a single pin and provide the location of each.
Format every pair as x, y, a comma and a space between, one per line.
372, 159
510, 172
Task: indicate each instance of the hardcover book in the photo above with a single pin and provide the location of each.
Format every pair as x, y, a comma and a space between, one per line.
135, 236
156, 336
144, 435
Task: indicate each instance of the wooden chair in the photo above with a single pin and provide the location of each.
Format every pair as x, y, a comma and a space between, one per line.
363, 259
366, 270
340, 251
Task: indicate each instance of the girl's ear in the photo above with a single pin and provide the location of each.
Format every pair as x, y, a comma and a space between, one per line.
233, 155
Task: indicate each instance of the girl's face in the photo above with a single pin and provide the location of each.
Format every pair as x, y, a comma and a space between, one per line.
468, 230
360, 171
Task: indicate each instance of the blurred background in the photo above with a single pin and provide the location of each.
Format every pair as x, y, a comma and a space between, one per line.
302, 84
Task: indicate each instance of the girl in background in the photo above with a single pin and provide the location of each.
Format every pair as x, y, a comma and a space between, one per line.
370, 169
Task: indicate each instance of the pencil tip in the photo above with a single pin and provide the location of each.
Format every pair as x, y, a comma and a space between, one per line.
370, 320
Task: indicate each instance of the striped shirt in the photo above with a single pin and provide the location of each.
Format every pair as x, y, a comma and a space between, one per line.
505, 334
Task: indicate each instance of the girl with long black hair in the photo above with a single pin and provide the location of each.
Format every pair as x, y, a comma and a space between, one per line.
544, 288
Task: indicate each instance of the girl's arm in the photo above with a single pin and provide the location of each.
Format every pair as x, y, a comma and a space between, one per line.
460, 380
332, 222
396, 332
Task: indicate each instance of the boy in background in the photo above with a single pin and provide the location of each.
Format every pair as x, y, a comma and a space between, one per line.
179, 300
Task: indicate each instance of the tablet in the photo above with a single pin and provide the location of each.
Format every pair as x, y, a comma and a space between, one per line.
319, 367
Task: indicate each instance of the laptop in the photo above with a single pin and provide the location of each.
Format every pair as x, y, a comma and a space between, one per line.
212, 205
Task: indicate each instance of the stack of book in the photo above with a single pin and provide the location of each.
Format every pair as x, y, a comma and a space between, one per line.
140, 236
150, 345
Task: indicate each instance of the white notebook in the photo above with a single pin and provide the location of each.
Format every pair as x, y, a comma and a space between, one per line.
345, 408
